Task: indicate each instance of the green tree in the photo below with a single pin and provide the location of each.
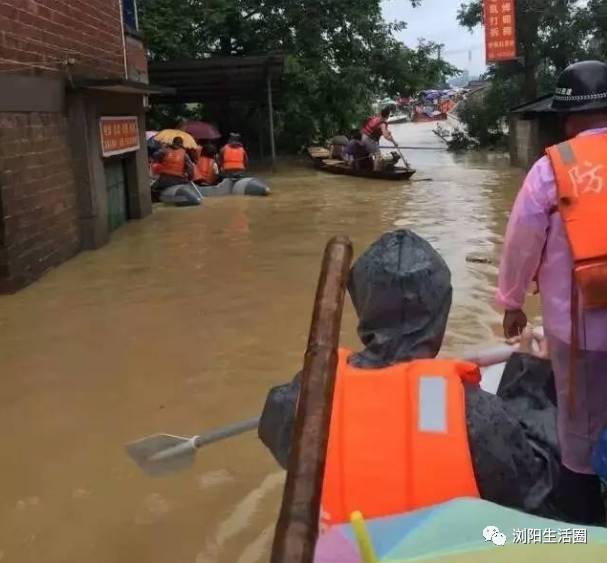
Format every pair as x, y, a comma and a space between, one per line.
597, 20
340, 54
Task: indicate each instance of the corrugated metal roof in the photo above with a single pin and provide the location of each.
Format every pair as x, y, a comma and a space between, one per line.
123, 86
218, 78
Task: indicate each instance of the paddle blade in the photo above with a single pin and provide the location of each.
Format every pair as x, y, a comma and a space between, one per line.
162, 453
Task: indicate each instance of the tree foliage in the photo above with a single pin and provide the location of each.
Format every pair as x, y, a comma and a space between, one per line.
340, 54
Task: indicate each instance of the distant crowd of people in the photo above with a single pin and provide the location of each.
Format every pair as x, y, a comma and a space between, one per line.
173, 164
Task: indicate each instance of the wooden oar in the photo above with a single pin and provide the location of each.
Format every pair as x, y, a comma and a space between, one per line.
160, 454
297, 527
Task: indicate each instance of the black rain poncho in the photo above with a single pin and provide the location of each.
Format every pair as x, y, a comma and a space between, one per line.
401, 290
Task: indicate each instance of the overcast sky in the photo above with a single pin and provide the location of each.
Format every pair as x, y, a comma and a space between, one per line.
436, 20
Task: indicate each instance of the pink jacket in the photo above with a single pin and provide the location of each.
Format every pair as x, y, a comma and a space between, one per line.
536, 242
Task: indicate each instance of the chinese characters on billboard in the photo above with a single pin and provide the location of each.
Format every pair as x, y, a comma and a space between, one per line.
119, 135
500, 30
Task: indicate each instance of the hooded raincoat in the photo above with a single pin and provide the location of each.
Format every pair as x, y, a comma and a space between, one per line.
401, 290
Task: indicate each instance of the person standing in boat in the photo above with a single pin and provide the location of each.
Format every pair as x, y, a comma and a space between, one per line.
233, 158
409, 430
556, 233
373, 130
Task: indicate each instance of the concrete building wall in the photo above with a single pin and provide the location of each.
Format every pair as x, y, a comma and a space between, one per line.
38, 220
86, 108
530, 137
523, 142
51, 32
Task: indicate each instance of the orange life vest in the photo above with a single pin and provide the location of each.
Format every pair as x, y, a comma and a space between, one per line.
372, 127
173, 163
205, 170
580, 170
398, 439
233, 158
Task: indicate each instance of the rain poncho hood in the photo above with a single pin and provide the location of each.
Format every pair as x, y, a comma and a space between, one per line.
401, 290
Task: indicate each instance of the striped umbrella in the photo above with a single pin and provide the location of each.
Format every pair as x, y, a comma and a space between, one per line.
462, 531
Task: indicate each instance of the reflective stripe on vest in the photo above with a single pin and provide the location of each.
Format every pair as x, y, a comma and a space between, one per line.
393, 433
173, 163
233, 158
205, 169
432, 404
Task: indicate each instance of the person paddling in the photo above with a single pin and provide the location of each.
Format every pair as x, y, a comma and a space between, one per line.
409, 430
373, 130
557, 234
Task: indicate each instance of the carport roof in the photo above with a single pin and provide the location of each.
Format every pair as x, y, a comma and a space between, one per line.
217, 78
540, 105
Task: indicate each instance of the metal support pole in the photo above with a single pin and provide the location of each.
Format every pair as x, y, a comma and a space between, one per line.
271, 116
261, 133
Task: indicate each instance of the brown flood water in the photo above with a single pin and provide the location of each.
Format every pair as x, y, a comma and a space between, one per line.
182, 324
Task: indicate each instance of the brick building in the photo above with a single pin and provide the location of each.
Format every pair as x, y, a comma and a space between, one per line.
73, 167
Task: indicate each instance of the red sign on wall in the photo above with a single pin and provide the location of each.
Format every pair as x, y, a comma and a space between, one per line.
119, 135
500, 30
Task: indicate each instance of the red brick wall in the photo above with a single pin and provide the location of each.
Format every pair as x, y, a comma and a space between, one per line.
47, 32
38, 209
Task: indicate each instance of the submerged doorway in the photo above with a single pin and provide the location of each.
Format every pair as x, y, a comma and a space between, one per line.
116, 185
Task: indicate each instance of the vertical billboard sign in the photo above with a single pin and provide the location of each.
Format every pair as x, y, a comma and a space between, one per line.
500, 30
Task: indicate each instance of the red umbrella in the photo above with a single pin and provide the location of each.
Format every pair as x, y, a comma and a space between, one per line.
201, 130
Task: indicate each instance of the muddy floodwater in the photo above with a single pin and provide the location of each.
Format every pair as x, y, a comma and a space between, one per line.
182, 324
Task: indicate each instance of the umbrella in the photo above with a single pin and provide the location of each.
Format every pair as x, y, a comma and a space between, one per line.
167, 135
201, 130
463, 531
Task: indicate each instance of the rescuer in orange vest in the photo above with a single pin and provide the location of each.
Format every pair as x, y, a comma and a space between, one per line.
409, 430
373, 130
173, 166
207, 171
557, 233
233, 158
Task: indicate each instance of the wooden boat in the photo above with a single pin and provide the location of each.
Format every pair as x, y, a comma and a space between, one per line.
419, 117
340, 167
